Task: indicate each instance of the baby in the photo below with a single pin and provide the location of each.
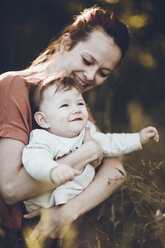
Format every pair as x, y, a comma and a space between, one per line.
60, 112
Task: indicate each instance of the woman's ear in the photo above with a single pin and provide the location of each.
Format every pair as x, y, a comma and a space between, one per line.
41, 120
65, 42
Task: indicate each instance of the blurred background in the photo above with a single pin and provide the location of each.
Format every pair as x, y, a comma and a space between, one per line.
134, 96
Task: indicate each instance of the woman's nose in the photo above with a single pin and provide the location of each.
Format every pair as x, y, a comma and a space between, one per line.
90, 74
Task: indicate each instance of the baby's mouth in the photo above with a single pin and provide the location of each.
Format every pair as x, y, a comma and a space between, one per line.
77, 119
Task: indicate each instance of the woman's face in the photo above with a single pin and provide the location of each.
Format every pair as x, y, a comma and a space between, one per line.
90, 61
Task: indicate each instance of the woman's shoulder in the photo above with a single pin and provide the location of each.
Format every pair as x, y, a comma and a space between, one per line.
9, 77
12, 82
15, 118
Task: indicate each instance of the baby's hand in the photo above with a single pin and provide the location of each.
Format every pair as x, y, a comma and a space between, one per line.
63, 173
148, 133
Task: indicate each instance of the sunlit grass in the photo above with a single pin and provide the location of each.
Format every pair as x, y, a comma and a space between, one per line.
31, 243
136, 213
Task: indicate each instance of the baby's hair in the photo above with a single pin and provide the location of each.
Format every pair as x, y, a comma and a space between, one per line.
62, 83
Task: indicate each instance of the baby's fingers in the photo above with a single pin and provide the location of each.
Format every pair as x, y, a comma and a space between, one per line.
153, 133
76, 172
68, 175
156, 137
71, 174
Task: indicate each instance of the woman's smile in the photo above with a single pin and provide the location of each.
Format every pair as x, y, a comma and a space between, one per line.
88, 61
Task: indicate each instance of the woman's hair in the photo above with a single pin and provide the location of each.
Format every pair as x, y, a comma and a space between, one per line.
83, 24
62, 84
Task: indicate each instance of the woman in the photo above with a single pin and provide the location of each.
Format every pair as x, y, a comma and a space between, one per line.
88, 50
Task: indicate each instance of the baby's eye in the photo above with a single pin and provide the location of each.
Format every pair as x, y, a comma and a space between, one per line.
81, 103
64, 105
86, 62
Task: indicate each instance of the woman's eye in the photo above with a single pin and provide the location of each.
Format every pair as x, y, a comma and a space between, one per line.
64, 105
103, 74
87, 62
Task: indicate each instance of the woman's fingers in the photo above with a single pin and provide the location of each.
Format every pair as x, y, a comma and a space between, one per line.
32, 214
54, 222
87, 136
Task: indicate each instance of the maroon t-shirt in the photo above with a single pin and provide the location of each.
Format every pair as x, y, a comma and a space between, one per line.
15, 117
15, 123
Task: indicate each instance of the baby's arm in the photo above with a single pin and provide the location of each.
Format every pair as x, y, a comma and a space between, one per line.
38, 160
146, 134
117, 144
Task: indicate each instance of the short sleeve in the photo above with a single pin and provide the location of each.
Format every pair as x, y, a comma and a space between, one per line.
15, 117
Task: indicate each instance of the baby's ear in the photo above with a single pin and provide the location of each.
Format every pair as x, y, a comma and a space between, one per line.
65, 42
41, 119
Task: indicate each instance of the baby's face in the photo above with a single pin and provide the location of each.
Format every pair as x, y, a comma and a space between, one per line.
65, 111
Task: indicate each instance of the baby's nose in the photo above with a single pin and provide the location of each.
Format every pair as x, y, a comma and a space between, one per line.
76, 109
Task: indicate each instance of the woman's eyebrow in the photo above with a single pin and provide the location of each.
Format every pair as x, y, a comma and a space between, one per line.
91, 57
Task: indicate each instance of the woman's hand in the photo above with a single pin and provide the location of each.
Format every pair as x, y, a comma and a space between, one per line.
96, 148
54, 222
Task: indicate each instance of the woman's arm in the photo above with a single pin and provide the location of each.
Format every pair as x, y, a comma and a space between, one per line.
15, 183
90, 151
106, 181
108, 178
